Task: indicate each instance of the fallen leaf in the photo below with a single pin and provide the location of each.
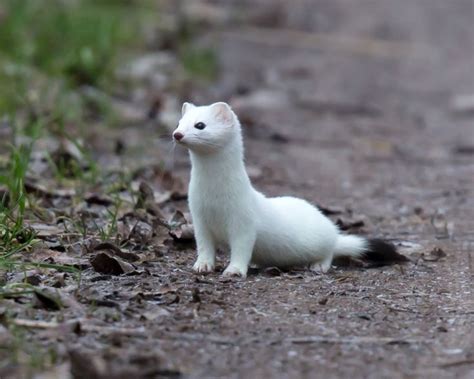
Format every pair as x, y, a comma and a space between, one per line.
177, 219
330, 210
98, 199
184, 233
434, 255
41, 190
179, 228
170, 186
142, 232
107, 264
44, 230
33, 279
272, 271
48, 300
349, 224
115, 250
57, 257
87, 365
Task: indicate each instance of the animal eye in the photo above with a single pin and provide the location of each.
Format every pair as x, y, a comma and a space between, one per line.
200, 125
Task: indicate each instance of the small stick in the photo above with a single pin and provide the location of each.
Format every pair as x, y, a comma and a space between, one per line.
458, 363
35, 324
353, 340
200, 337
38, 324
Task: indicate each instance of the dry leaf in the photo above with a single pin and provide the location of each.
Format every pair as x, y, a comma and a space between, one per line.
57, 257
44, 230
184, 233
48, 300
434, 255
115, 250
107, 264
345, 224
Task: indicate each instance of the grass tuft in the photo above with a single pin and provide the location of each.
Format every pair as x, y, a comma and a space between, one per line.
76, 40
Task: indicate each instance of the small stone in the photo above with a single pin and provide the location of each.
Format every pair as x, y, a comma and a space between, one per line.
323, 301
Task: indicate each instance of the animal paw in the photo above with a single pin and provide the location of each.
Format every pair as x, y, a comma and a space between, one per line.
203, 266
234, 271
320, 268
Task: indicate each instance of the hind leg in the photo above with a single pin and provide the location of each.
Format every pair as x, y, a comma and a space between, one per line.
322, 266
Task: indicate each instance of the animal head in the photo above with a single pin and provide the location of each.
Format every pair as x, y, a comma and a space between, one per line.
206, 129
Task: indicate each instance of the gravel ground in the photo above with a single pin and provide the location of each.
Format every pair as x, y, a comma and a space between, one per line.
355, 106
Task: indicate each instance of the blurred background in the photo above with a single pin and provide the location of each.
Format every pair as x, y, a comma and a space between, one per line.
321, 83
363, 107
80, 68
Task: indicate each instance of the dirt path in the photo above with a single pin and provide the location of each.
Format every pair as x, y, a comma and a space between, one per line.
366, 125
351, 105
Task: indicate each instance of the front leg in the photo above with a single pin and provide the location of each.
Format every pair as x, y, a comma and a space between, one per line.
241, 247
206, 249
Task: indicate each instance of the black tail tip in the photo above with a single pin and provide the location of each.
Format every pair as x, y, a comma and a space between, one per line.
382, 253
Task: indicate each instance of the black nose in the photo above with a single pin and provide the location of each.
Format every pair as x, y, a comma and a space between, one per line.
178, 136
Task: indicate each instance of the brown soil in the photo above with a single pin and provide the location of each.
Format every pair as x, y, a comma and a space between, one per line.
349, 105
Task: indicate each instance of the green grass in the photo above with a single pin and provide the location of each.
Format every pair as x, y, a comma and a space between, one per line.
58, 60
50, 52
57, 64
76, 40
199, 62
21, 351
14, 236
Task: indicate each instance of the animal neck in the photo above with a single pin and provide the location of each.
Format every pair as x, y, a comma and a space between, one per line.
225, 166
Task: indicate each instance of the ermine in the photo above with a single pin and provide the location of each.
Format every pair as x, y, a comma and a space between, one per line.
227, 211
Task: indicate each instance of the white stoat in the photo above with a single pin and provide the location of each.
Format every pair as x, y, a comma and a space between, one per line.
228, 211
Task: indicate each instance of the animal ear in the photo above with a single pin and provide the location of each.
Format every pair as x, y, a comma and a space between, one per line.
222, 112
186, 107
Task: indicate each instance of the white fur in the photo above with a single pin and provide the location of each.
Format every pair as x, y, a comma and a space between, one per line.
228, 211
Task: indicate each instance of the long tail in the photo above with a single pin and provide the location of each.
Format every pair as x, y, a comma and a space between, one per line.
375, 251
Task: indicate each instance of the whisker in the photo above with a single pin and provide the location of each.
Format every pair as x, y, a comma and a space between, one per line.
206, 142
167, 164
165, 136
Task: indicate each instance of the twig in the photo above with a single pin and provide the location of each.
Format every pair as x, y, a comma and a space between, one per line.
458, 363
256, 311
354, 340
297, 340
201, 337
38, 324
138, 332
393, 306
35, 324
